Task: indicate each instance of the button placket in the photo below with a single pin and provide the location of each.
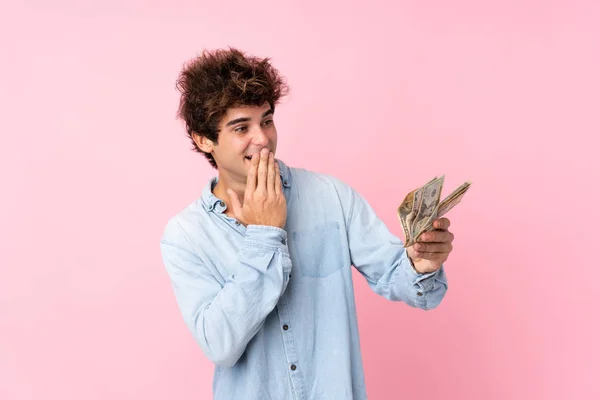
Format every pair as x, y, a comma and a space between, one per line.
290, 350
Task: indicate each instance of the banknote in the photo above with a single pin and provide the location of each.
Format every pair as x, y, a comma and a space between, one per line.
409, 208
404, 210
422, 206
446, 205
453, 199
429, 202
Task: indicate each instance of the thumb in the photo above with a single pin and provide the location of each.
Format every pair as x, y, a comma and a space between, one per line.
235, 203
411, 253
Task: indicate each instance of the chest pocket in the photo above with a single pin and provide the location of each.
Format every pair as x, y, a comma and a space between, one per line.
318, 250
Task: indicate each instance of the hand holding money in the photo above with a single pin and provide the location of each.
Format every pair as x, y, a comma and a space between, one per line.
421, 216
422, 206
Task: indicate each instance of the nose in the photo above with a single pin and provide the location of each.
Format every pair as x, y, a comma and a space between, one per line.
259, 137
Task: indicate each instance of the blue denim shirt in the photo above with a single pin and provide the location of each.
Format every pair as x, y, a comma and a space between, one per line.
274, 308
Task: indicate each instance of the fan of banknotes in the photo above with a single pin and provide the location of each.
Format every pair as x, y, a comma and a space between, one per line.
422, 206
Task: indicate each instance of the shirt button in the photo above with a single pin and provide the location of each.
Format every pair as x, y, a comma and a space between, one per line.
285, 327
419, 294
293, 367
285, 182
222, 204
237, 222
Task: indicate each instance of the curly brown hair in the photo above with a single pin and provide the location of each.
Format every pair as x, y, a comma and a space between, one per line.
217, 80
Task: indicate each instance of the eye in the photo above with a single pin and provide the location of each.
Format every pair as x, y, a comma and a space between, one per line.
268, 122
240, 129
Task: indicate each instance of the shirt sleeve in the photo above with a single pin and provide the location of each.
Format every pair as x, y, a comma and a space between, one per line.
224, 318
381, 258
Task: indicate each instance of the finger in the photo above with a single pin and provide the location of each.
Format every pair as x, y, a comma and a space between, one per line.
441, 223
235, 204
278, 185
437, 236
262, 170
433, 247
252, 172
271, 175
434, 257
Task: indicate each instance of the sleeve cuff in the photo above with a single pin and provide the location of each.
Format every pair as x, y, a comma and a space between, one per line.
265, 236
423, 282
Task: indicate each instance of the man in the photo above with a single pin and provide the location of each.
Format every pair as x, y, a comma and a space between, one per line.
260, 263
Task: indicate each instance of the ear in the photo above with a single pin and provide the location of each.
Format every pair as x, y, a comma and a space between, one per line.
205, 144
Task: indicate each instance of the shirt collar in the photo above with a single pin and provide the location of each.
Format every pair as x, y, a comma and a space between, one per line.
213, 203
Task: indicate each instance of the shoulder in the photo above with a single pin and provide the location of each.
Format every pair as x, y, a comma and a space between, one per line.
313, 180
184, 224
330, 188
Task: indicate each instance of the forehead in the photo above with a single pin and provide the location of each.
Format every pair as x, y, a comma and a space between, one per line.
246, 112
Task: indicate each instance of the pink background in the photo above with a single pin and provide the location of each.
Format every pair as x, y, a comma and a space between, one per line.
384, 96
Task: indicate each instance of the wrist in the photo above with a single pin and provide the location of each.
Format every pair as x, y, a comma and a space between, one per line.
412, 264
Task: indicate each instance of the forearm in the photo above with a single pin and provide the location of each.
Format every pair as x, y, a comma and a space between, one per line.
403, 283
226, 325
381, 257
224, 316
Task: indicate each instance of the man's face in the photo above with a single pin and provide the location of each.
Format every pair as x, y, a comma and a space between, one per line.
243, 131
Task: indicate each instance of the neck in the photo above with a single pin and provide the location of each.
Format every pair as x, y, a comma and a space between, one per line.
220, 191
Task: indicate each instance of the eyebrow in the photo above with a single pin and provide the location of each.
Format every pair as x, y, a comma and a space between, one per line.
245, 119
